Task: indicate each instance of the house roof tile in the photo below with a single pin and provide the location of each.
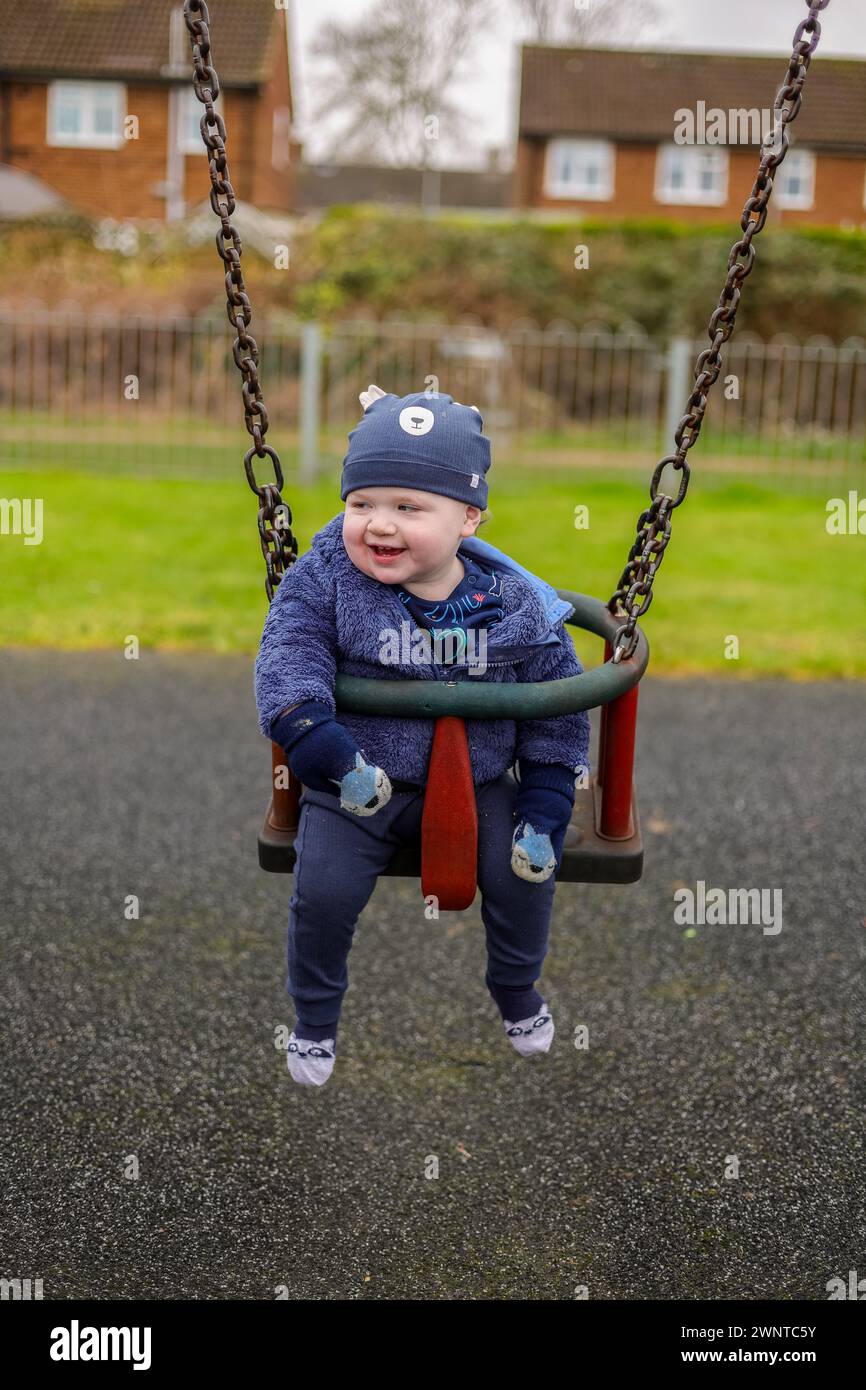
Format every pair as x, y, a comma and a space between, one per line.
631, 95
107, 38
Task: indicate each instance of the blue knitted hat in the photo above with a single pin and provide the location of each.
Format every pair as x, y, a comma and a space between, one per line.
427, 442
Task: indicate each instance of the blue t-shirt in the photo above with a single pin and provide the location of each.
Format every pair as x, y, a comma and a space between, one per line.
475, 602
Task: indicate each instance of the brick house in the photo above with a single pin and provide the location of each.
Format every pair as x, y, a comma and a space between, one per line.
635, 134
97, 102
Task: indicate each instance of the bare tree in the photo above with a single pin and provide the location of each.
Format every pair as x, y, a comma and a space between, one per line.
389, 75
618, 22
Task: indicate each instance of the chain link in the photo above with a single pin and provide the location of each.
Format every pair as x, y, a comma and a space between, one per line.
654, 524
279, 546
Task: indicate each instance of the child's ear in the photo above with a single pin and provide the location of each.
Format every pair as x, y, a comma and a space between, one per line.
372, 393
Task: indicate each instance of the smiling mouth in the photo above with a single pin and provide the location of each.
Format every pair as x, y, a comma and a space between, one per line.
387, 549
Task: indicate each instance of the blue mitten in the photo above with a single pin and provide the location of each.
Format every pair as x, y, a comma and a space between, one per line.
542, 812
322, 754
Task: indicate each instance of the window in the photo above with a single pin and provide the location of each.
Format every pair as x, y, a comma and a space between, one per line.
795, 180
191, 111
691, 174
281, 134
579, 169
87, 114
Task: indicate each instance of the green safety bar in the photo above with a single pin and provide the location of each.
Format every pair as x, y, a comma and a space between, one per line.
476, 699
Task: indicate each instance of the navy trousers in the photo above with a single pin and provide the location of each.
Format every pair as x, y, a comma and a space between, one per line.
339, 858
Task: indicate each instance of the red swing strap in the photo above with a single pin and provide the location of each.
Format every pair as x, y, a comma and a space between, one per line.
449, 825
616, 762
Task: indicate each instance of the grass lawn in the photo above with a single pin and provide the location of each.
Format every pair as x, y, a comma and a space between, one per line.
178, 564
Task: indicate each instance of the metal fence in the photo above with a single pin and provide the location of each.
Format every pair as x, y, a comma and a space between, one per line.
161, 394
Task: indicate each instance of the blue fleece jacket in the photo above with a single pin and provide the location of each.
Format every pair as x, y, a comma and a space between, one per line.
326, 618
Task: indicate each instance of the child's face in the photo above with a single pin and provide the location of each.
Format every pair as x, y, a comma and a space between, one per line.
425, 528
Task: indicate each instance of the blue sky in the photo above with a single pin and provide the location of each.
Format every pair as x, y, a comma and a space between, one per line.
490, 97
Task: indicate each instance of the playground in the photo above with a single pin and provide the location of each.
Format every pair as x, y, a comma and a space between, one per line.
695, 1131
604, 1168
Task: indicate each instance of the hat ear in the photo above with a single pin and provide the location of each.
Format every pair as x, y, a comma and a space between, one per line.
372, 393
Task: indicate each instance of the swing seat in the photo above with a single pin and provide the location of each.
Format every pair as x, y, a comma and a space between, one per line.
603, 843
587, 855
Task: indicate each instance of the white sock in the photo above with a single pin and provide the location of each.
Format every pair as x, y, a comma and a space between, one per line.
310, 1063
533, 1035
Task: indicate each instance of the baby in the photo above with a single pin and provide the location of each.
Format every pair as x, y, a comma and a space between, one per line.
403, 561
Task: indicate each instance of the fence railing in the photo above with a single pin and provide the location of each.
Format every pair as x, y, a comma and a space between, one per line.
139, 393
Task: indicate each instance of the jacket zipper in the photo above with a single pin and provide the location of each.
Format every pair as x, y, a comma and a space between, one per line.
444, 677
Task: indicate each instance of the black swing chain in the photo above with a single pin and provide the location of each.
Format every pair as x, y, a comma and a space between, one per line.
279, 546
654, 524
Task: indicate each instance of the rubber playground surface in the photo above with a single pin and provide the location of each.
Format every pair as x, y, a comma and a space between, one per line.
707, 1143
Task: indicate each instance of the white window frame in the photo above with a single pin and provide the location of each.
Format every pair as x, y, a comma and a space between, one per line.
86, 92
781, 196
691, 157
189, 120
555, 187
281, 136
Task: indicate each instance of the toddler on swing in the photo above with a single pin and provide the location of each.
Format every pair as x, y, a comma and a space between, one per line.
403, 559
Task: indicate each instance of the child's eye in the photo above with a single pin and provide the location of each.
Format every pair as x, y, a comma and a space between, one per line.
407, 505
